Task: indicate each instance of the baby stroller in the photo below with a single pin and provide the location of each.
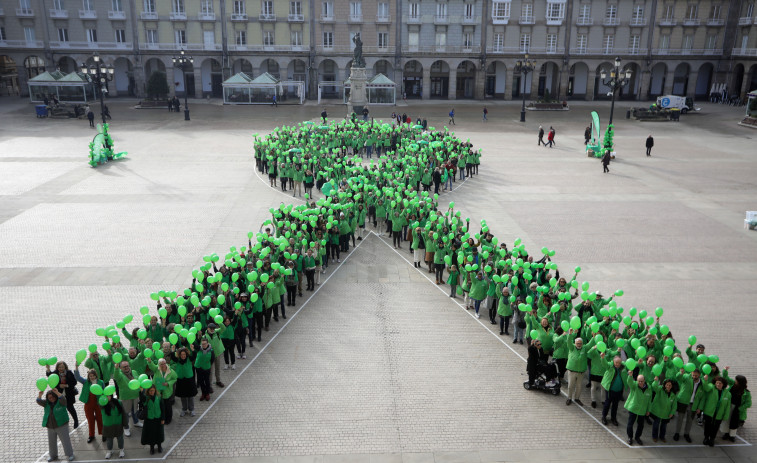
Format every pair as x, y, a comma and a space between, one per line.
546, 378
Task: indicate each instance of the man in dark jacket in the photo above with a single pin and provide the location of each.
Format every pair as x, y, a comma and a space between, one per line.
606, 161
587, 135
437, 177
536, 357
650, 144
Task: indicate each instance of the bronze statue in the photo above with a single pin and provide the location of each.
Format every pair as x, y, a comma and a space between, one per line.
357, 60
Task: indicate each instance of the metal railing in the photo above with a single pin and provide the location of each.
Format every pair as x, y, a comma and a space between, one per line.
500, 19
178, 16
686, 51
58, 14
267, 17
526, 20
355, 18
441, 49
112, 14
608, 51
296, 18
584, 21
88, 14
179, 46
638, 22
383, 18
414, 19
239, 16
92, 45
469, 20
611, 21
691, 22
22, 44
272, 48
744, 52
327, 18
206, 16
745, 21
149, 15
24, 12
715, 22
441, 19
554, 21
667, 22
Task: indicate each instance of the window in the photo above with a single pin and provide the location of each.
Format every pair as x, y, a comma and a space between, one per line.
29, 34
2, 34
328, 10
688, 42
441, 40
92, 35
470, 11
468, 40
328, 40
585, 12
58, 5
62, 34
664, 42
383, 39
441, 10
669, 12
608, 43
149, 6
412, 40
750, 10
25, 4
635, 44
151, 36
206, 7
240, 7
611, 12
715, 12
356, 9
525, 42
527, 10
268, 38
581, 41
691, 11
555, 11
88, 5
178, 6
296, 38
383, 10
266, 8
551, 43
295, 8
638, 15
499, 41
501, 10
712, 42
181, 36
744, 42
120, 35
240, 38
117, 5
414, 10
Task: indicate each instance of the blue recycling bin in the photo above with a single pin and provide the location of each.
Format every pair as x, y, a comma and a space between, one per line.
41, 110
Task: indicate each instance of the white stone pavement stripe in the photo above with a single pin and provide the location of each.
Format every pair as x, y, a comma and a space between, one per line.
501, 340
82, 423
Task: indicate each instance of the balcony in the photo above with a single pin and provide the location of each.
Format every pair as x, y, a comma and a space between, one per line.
554, 21
24, 12
148, 16
22, 44
500, 19
584, 21
327, 18
179, 46
469, 20
715, 22
296, 18
178, 16
383, 19
745, 21
116, 15
667, 22
608, 51
637, 22
87, 14
442, 49
355, 18
744, 52
691, 22
267, 17
58, 14
414, 19
241, 17
206, 16
526, 20
611, 21
441, 19
91, 45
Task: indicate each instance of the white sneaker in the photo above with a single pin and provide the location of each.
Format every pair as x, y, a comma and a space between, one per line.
239, 356
138, 424
233, 367
339, 260
183, 413
121, 454
192, 413
225, 367
244, 356
107, 455
127, 432
478, 315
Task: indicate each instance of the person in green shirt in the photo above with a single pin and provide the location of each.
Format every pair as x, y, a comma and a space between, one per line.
152, 433
663, 407
453, 280
638, 404
55, 420
504, 310
114, 420
308, 263
577, 365
478, 289
715, 405
613, 384
741, 400
203, 359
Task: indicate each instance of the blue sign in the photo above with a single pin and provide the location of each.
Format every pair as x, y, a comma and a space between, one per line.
665, 102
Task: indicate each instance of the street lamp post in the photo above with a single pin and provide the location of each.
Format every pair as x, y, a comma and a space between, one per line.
183, 62
616, 81
524, 67
99, 74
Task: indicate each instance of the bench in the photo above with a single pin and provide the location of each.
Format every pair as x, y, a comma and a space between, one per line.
750, 222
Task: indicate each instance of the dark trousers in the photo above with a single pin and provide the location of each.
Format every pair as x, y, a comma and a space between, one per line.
436, 187
310, 276
606, 169
267, 315
334, 251
344, 240
291, 295
711, 426
284, 183
504, 324
639, 419
239, 336
649, 150
396, 238
562, 367
439, 269
612, 398
659, 427
228, 351
257, 325
493, 311
541, 141
168, 407
203, 380
72, 412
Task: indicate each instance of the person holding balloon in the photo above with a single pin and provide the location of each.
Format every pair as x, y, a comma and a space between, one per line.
614, 384
203, 363
577, 361
186, 388
67, 385
690, 388
152, 433
114, 420
55, 419
91, 407
122, 375
638, 403
164, 381
714, 404
663, 406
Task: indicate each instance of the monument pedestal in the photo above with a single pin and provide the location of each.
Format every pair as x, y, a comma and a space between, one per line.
357, 100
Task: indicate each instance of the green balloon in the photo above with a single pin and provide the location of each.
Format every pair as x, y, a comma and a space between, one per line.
667, 351
635, 343
692, 340
93, 348
102, 400
173, 338
620, 342
42, 384
146, 384
117, 357
689, 367
53, 380
142, 333
191, 337
657, 369
630, 364
52, 361
601, 346
664, 330
575, 323
134, 384
678, 362
96, 389
147, 353
81, 355
714, 358
658, 311
109, 390
534, 334
641, 352
565, 325
706, 369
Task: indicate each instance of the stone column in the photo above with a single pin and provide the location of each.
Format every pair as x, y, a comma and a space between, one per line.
590, 83
668, 87
480, 83
646, 84
509, 83
744, 84
139, 80
691, 88
564, 78
426, 91
452, 90
198, 82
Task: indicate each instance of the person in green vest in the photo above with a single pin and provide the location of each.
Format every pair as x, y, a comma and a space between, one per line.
504, 311
102, 364
152, 433
478, 289
186, 388
297, 177
638, 404
228, 341
663, 407
122, 375
309, 181
577, 365
114, 421
453, 280
613, 383
360, 220
397, 223
91, 407
418, 245
165, 381
741, 400
715, 405
213, 335
55, 420
290, 280
690, 387
203, 361
597, 367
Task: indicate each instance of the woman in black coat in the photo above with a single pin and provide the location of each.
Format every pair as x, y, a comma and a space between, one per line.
66, 385
154, 419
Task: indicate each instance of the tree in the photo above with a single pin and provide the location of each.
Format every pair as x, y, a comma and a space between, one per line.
157, 85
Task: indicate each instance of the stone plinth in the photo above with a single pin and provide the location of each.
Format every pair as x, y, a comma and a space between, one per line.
357, 99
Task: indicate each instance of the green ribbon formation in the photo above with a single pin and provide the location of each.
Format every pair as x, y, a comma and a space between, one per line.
389, 185
101, 148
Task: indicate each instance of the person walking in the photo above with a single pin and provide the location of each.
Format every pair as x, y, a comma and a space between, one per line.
273, 100
324, 115
550, 137
486, 112
91, 117
541, 137
452, 117
55, 420
587, 135
606, 161
649, 144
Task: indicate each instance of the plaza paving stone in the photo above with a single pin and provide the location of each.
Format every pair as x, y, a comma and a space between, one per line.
379, 363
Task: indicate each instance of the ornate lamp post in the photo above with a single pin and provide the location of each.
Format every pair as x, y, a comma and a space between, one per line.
183, 62
99, 74
524, 67
615, 82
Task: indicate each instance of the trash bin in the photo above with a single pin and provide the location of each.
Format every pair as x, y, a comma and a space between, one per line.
41, 110
628, 114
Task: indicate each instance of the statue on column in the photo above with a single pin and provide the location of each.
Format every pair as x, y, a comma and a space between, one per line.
357, 59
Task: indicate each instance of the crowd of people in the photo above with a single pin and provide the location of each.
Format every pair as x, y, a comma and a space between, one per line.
181, 348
